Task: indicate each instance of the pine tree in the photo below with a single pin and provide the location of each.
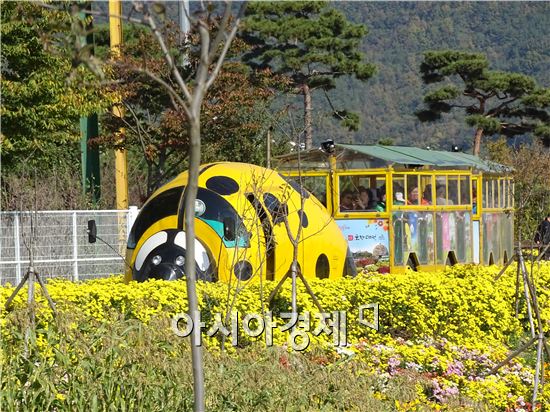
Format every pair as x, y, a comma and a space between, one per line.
495, 102
311, 43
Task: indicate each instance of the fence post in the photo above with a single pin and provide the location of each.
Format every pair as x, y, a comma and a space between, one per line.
75, 249
17, 244
132, 214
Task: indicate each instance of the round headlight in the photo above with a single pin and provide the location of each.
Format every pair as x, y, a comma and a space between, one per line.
200, 207
156, 260
180, 260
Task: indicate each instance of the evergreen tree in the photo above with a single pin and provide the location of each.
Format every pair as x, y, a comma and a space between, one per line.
311, 43
496, 102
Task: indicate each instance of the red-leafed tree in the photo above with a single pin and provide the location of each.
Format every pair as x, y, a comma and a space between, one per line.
234, 121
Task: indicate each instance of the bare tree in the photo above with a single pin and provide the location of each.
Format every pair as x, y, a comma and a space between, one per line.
31, 276
190, 100
187, 94
257, 224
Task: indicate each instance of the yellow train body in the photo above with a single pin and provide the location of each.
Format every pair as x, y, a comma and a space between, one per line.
406, 207
245, 219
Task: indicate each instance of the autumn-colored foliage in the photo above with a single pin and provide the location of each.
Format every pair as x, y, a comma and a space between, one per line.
234, 120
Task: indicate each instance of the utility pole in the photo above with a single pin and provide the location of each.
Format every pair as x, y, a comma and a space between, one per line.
121, 167
89, 129
184, 12
183, 6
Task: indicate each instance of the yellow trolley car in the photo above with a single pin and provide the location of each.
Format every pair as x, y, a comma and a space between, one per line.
405, 206
246, 218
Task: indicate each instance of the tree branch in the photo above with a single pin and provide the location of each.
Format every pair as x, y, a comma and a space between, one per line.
168, 57
334, 111
173, 95
228, 39
515, 126
138, 130
221, 32
500, 106
463, 106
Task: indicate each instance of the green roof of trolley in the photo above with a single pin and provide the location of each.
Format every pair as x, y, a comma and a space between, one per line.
405, 155
350, 155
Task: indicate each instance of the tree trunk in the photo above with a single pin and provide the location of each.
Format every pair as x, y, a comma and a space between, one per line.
294, 274
477, 141
191, 102
190, 273
307, 117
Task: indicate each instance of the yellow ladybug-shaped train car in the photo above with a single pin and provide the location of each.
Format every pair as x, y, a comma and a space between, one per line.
243, 215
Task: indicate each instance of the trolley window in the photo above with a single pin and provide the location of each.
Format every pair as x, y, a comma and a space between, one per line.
465, 190
398, 183
503, 193
441, 192
317, 185
362, 193
426, 189
452, 190
412, 195
489, 193
475, 209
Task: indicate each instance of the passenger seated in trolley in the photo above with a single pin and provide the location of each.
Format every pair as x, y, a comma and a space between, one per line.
441, 196
366, 199
346, 201
398, 195
413, 198
381, 205
427, 195
373, 196
363, 199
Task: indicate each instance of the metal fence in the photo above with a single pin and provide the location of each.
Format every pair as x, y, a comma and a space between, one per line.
60, 243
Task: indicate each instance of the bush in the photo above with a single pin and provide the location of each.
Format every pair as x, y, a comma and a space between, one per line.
440, 335
463, 304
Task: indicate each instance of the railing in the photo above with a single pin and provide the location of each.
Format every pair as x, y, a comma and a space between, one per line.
59, 242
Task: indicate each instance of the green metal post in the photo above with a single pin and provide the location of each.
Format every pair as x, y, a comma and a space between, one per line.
89, 129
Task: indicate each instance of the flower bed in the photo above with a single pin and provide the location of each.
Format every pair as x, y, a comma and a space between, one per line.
445, 329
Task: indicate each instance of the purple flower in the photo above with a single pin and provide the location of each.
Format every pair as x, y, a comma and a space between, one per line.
455, 368
393, 363
414, 366
443, 393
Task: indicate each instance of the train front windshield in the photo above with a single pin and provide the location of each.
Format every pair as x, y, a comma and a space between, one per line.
159, 207
218, 213
210, 207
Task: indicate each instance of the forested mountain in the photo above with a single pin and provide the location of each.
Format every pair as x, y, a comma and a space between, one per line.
515, 36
